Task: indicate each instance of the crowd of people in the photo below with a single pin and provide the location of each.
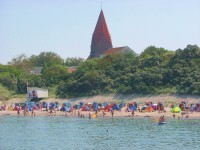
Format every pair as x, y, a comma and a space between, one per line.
97, 109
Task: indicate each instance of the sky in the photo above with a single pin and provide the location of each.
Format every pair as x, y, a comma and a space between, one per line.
66, 26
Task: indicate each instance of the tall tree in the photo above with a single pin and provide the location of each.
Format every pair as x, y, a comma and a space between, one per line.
46, 59
73, 61
22, 62
54, 74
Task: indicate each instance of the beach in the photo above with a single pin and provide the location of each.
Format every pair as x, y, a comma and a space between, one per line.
117, 114
167, 100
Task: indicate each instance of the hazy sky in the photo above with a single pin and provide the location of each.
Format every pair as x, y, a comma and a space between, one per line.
66, 26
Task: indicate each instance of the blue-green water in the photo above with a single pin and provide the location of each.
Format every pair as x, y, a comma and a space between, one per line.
50, 133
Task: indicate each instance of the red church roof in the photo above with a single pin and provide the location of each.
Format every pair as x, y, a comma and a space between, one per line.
101, 29
118, 50
101, 40
113, 50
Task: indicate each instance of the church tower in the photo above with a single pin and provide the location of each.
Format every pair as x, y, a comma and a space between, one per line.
101, 40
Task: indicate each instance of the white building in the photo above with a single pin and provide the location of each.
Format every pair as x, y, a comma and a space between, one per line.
34, 92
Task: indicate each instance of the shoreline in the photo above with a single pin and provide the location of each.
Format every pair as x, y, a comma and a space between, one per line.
167, 100
117, 114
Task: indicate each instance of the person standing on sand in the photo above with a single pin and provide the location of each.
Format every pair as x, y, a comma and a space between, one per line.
33, 113
133, 112
26, 111
18, 111
112, 112
89, 116
51, 112
96, 112
103, 114
174, 116
139, 109
78, 113
46, 108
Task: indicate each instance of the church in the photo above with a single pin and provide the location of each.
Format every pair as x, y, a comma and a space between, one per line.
101, 44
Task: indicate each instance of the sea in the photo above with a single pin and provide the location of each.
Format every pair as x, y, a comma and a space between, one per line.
67, 133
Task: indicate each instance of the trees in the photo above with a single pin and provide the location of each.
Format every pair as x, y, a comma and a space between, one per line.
46, 59
100, 75
155, 71
21, 62
54, 75
73, 61
16, 75
8, 76
153, 56
185, 70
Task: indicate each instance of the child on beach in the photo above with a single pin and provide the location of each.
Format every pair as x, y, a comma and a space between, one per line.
112, 112
78, 113
33, 113
89, 116
139, 109
51, 111
174, 116
18, 111
26, 111
103, 114
133, 112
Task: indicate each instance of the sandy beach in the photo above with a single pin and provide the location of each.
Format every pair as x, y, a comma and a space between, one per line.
117, 114
166, 99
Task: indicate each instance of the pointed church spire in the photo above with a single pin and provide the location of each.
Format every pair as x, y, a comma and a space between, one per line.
101, 40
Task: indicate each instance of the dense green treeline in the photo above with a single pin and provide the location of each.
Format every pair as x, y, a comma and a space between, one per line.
154, 71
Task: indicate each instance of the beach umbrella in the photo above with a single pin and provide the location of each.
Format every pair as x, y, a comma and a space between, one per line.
149, 109
176, 109
122, 104
105, 104
81, 104
133, 107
